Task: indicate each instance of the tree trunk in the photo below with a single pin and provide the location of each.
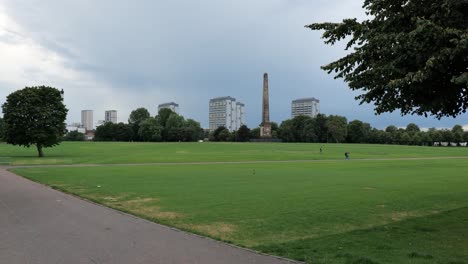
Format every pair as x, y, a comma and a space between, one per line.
39, 150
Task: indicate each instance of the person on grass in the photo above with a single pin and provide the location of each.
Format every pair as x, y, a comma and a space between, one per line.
346, 155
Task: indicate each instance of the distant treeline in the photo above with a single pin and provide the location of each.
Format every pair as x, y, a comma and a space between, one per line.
169, 126
166, 126
336, 129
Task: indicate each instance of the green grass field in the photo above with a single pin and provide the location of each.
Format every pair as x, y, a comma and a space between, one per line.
324, 211
115, 152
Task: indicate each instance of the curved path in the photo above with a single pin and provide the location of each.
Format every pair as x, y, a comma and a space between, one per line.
41, 225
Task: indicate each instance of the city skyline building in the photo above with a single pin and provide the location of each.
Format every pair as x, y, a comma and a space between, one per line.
87, 119
173, 106
110, 116
240, 114
306, 107
225, 111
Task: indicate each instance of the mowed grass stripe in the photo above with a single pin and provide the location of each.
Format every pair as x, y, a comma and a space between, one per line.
129, 153
226, 162
269, 204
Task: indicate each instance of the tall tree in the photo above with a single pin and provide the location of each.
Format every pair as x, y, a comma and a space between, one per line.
74, 136
150, 130
224, 135
457, 131
447, 135
255, 133
299, 128
358, 131
391, 129
337, 128
163, 115
136, 117
105, 132
243, 134
174, 127
192, 130
123, 132
465, 136
2, 129
35, 116
216, 132
412, 128
286, 131
410, 55
321, 130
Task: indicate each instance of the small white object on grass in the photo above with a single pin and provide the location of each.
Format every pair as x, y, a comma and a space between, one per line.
99, 186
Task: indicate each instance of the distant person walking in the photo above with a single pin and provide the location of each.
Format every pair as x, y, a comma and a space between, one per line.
346, 155
321, 150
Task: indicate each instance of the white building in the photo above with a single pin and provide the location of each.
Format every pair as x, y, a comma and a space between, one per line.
225, 111
240, 109
306, 107
173, 106
111, 116
87, 119
73, 127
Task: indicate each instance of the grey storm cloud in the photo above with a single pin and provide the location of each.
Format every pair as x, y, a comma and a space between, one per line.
190, 51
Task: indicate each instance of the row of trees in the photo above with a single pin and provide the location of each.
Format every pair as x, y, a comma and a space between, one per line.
166, 126
336, 129
243, 134
169, 126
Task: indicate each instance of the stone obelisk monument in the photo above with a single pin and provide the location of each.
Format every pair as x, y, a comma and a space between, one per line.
265, 128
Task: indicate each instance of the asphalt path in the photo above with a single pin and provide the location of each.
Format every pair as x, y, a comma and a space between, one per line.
42, 225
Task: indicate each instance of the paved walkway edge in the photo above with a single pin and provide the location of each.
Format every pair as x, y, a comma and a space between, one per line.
146, 220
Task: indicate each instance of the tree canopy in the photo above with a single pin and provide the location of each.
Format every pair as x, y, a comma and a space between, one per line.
2, 130
136, 117
409, 55
74, 136
114, 132
150, 130
35, 116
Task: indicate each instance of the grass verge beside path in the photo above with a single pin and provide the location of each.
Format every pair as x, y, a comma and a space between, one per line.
127, 153
440, 238
299, 210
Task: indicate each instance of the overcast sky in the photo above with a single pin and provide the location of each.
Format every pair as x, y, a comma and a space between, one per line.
125, 54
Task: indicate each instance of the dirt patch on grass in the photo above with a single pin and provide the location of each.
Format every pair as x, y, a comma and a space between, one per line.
219, 229
115, 198
147, 207
402, 215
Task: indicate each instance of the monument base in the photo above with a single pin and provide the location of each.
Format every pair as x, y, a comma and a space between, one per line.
265, 130
266, 140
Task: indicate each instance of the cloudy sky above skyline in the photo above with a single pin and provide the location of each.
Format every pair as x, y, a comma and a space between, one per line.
124, 54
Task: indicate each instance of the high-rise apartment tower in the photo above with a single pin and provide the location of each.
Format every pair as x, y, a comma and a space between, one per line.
306, 107
225, 111
111, 116
87, 119
173, 106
